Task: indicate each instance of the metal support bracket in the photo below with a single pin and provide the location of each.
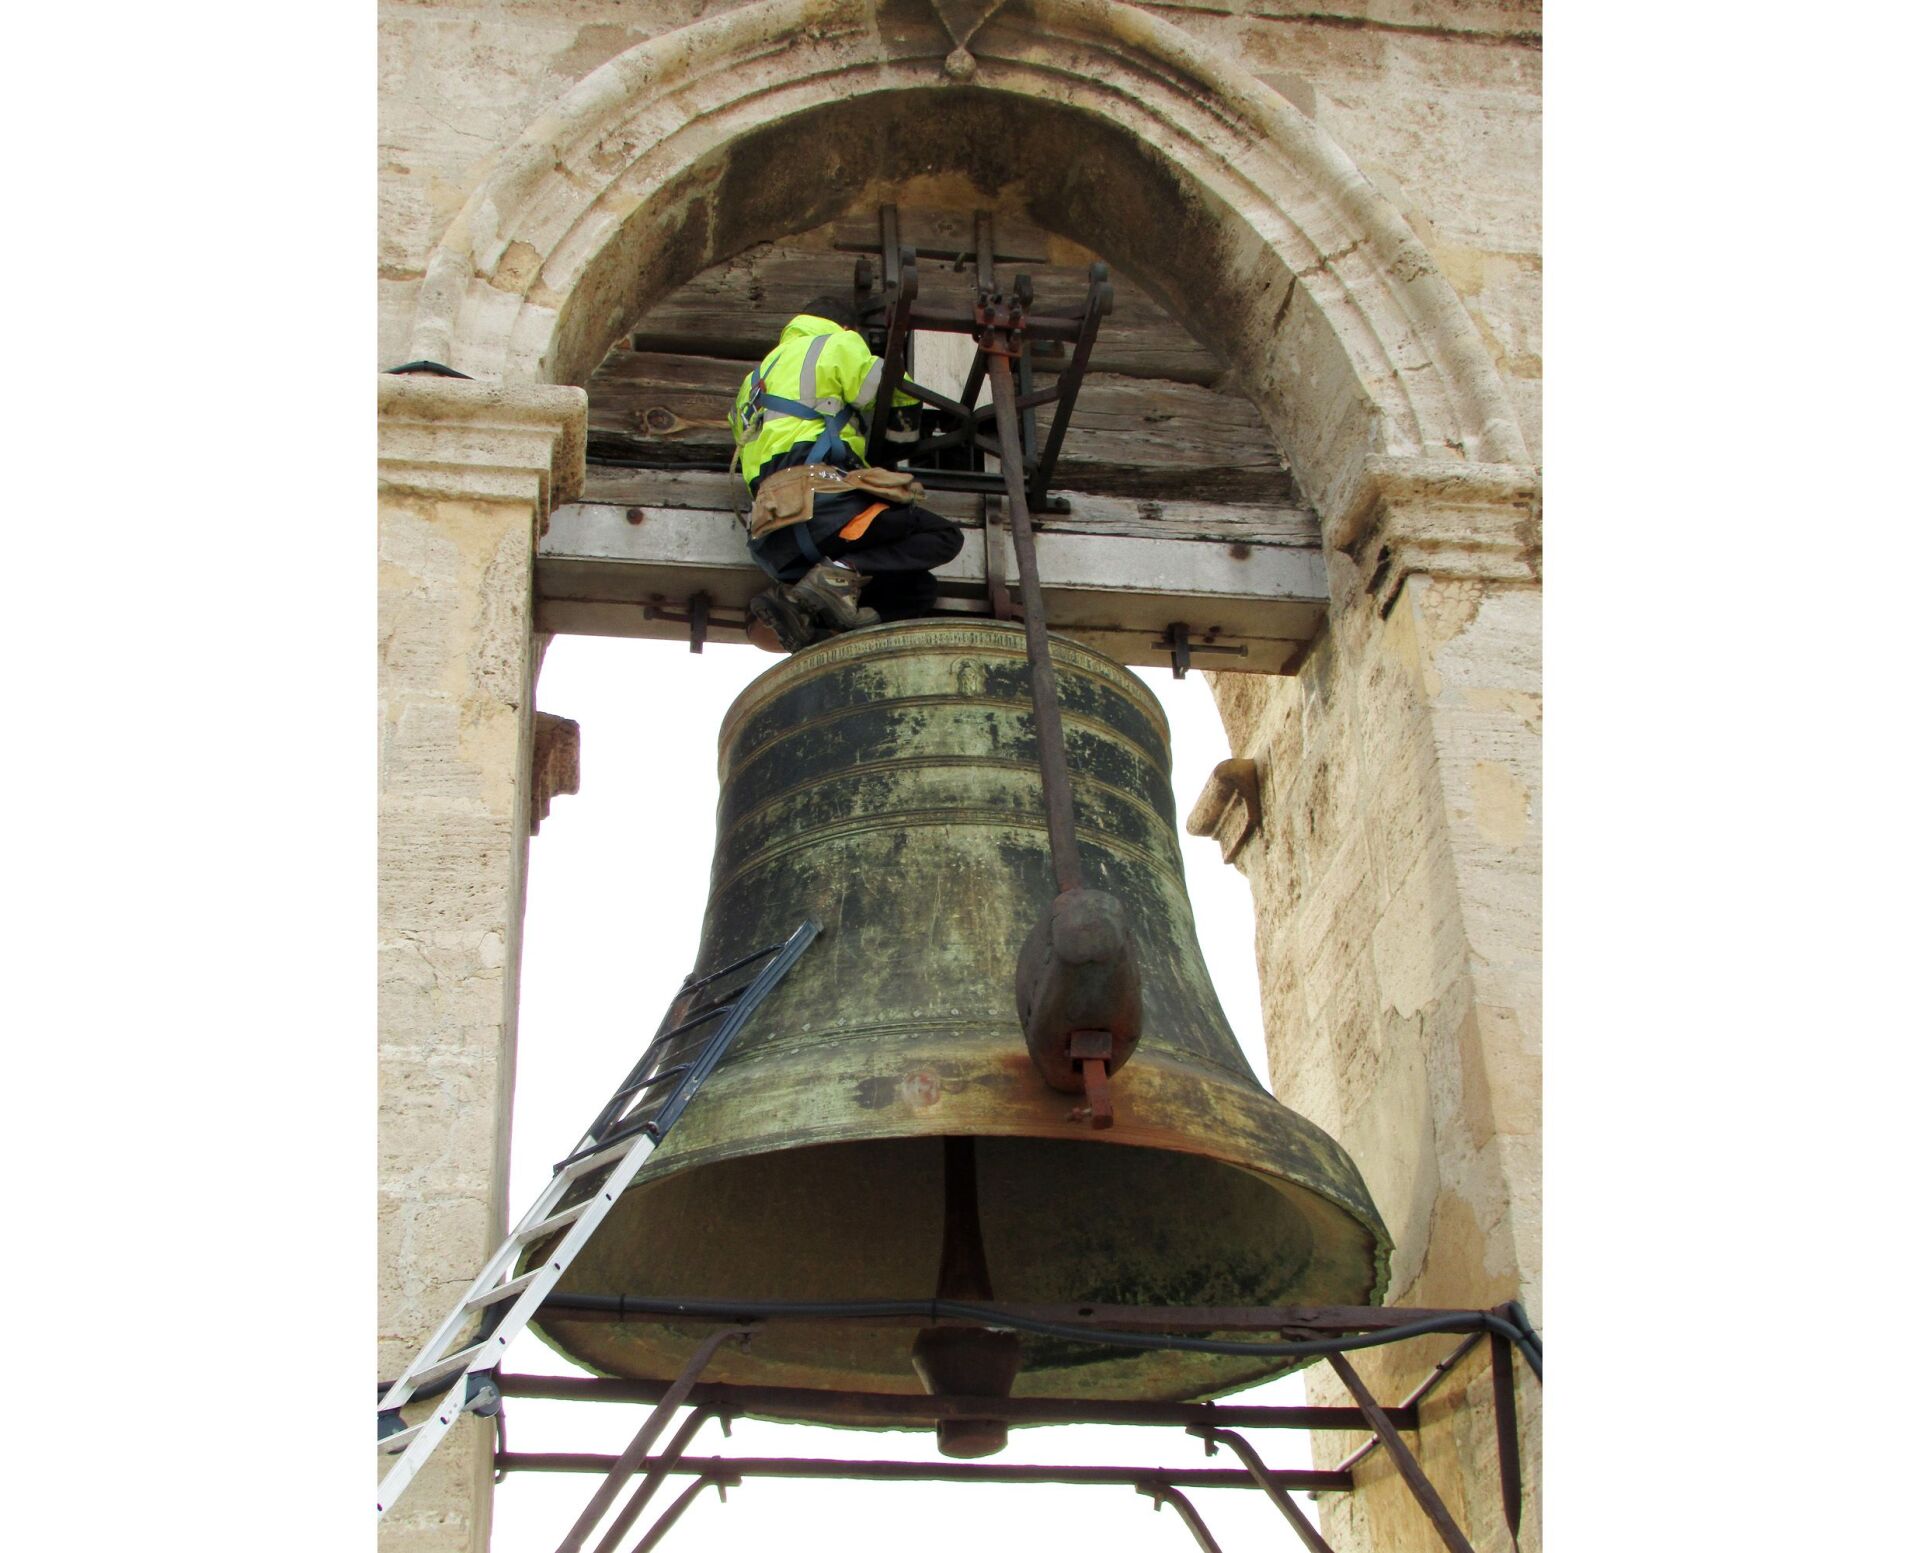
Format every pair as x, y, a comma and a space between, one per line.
698, 617
1178, 641
1409, 1466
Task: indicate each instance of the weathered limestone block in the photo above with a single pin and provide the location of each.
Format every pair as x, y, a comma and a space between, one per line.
1396, 882
1229, 809
467, 476
556, 763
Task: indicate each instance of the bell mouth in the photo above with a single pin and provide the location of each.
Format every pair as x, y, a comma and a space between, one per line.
1062, 1222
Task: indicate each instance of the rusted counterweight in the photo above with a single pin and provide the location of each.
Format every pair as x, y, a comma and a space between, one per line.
885, 784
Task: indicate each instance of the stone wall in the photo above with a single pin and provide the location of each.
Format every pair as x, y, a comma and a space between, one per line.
1438, 103
467, 478
1396, 882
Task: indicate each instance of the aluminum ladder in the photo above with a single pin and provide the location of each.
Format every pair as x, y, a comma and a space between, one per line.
462, 1355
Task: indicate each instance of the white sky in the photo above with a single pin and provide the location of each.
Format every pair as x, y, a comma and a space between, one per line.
616, 889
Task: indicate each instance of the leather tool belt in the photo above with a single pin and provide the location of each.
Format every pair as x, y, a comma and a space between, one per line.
786, 495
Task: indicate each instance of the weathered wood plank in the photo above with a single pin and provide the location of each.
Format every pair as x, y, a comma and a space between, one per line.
1091, 513
1129, 436
1016, 239
736, 311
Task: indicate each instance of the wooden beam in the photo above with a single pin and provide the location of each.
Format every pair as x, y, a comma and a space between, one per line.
1117, 580
1130, 436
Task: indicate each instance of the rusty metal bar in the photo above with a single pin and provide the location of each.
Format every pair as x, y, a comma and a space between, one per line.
1506, 1428
1099, 304
900, 284
649, 1485
954, 320
1303, 1528
1414, 1398
659, 1529
1423, 1490
1046, 691
841, 1406
999, 600
1300, 1481
1160, 1494
619, 1470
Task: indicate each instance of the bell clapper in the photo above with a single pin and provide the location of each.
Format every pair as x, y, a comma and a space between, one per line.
965, 1361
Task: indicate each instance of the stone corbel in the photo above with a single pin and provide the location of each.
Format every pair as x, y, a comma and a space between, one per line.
556, 764
1439, 518
1228, 808
450, 438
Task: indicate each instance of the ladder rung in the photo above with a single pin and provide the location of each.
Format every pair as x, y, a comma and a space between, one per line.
647, 1083
695, 1023
398, 1441
506, 1291
553, 1222
453, 1364
595, 1155
691, 984
616, 1145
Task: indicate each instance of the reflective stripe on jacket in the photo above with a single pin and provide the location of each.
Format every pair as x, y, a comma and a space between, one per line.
820, 366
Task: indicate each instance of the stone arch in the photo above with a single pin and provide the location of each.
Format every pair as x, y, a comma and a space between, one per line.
1187, 171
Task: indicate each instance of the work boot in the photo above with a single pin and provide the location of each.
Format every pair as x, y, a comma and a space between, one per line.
775, 623
833, 594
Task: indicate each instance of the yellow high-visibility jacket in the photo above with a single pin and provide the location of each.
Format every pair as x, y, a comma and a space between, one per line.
819, 367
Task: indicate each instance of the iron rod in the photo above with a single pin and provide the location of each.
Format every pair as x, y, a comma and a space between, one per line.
1300, 1481
1160, 1494
1067, 388
1413, 1399
1506, 1428
649, 1485
659, 1529
620, 1469
1046, 691
1416, 1480
1303, 1528
831, 1406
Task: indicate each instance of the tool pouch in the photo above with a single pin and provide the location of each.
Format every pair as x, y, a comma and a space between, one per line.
786, 496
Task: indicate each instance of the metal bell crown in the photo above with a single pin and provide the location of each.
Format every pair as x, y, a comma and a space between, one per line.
885, 784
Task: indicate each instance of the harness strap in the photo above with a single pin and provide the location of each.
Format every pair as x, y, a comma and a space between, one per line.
832, 412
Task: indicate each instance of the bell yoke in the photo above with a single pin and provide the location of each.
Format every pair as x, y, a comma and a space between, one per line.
846, 545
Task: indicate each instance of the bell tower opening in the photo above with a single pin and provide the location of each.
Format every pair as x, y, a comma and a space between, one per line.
1308, 472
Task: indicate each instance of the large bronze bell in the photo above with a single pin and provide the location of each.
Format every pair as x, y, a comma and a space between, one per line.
885, 784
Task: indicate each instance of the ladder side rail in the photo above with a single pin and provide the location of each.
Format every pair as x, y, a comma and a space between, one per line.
453, 1403
500, 1263
750, 1001
423, 1438
611, 1110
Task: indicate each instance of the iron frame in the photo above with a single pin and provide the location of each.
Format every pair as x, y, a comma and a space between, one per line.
1218, 1424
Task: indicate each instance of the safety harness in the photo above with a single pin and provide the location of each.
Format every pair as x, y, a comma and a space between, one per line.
827, 408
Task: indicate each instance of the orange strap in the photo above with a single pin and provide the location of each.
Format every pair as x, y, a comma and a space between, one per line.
859, 525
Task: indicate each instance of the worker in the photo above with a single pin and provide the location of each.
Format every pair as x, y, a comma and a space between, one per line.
847, 545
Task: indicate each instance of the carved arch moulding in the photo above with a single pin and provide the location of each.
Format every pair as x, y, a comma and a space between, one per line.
1107, 124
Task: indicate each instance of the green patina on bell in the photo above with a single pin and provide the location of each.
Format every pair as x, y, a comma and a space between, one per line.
885, 784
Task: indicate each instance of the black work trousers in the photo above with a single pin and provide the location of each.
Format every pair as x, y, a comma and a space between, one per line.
896, 554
